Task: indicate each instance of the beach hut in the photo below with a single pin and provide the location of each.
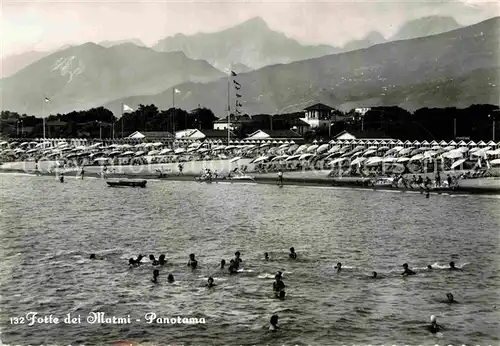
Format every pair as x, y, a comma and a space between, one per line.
471, 144
434, 143
407, 143
491, 144
443, 143
452, 143
481, 144
425, 144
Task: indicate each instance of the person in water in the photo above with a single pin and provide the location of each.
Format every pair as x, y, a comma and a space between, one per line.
280, 177
278, 285
338, 267
233, 267
429, 267
170, 278
210, 283
156, 273
374, 275
193, 263
274, 323
280, 274
282, 295
292, 254
237, 257
407, 271
82, 172
266, 256
434, 327
161, 260
139, 259
153, 260
450, 298
222, 264
132, 262
92, 256
452, 266
61, 177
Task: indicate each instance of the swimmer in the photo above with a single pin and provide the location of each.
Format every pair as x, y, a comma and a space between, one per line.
170, 278
237, 257
280, 274
139, 258
92, 256
450, 298
407, 271
193, 263
161, 260
222, 264
210, 283
266, 256
338, 267
156, 273
427, 194
61, 178
429, 267
274, 323
233, 267
434, 327
278, 285
281, 295
132, 262
292, 254
153, 260
452, 266
374, 275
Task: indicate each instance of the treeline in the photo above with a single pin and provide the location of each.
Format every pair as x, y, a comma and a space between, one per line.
100, 121
475, 122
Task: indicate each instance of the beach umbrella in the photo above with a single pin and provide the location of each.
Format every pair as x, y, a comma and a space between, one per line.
164, 151
322, 148
338, 160
373, 161
311, 148
405, 151
305, 156
179, 150
369, 152
495, 162
190, 150
234, 159
31, 151
153, 152
429, 154
458, 163
283, 146
293, 157
260, 159
264, 145
301, 148
479, 153
127, 153
357, 161
403, 159
333, 149
389, 159
383, 148
99, 159
417, 157
453, 155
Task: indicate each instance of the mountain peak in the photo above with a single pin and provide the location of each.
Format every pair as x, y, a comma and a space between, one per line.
255, 22
426, 26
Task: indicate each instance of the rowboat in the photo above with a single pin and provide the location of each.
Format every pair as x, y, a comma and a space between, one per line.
127, 183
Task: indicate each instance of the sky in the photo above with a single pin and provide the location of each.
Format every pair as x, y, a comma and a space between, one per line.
48, 25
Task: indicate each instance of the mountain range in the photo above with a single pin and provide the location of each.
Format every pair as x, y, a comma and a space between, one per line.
456, 68
88, 75
251, 44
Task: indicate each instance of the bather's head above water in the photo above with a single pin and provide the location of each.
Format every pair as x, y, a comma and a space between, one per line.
92, 256
223, 263
374, 275
170, 278
266, 256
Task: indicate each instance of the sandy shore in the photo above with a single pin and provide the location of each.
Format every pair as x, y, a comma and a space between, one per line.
298, 178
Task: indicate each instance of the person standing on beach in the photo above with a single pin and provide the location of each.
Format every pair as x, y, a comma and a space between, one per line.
438, 180
280, 178
180, 168
82, 172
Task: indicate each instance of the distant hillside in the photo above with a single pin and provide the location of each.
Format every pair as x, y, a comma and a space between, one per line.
425, 26
14, 63
88, 75
251, 43
370, 39
134, 41
455, 68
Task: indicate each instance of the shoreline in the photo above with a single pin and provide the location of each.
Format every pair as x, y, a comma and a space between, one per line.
268, 179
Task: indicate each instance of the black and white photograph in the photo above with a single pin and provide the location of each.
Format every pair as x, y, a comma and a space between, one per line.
260, 172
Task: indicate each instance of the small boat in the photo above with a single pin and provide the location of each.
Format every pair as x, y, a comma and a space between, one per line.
127, 183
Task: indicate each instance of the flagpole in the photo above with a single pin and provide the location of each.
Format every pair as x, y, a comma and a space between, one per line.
173, 111
122, 120
228, 108
43, 121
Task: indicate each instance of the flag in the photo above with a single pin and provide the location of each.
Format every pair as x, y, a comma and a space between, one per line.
236, 83
233, 73
47, 99
177, 91
127, 109
237, 87
238, 95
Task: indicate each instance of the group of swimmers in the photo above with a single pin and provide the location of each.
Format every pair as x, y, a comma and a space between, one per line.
278, 285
